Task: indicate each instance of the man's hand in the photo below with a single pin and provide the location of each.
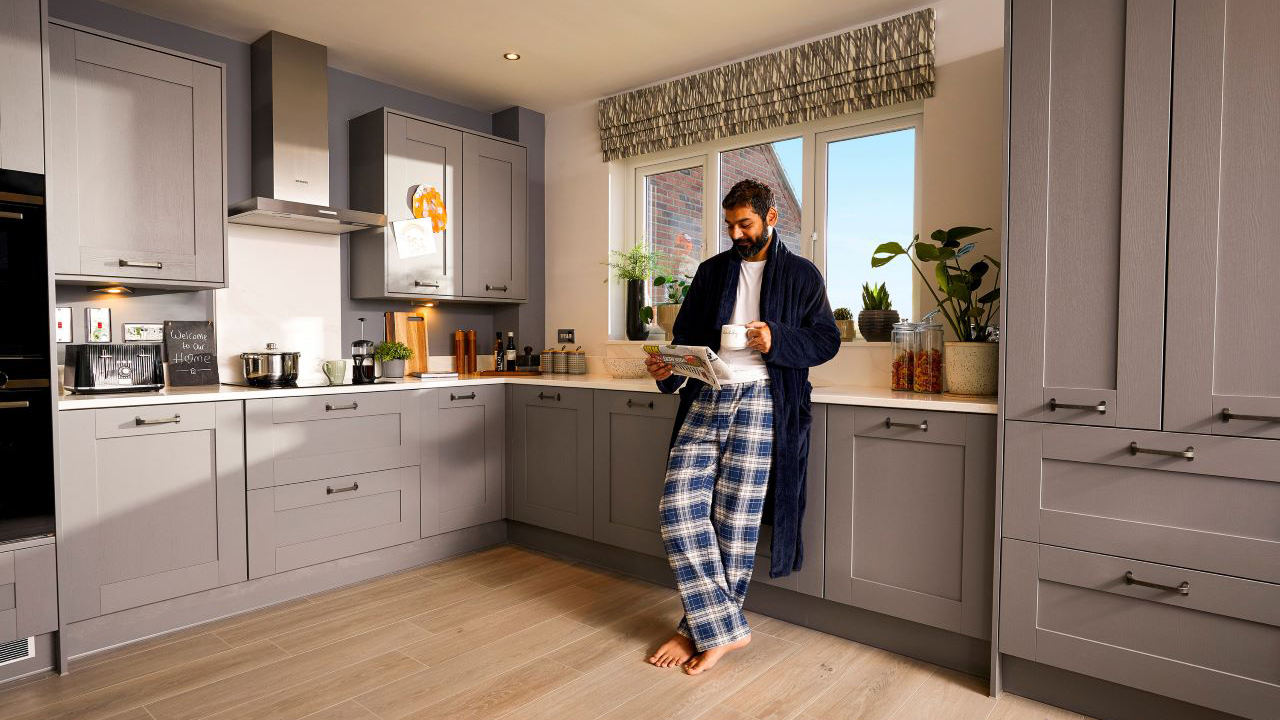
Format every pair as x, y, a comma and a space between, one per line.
658, 369
759, 337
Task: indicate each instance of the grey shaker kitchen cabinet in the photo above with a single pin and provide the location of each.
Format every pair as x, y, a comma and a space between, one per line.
1198, 637
1088, 201
1224, 203
28, 592
391, 154
151, 504
909, 515
22, 85
136, 186
495, 245
632, 434
552, 441
463, 463
809, 578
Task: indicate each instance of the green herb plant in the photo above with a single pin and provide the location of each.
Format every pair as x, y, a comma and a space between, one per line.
637, 263
843, 314
392, 351
968, 313
875, 298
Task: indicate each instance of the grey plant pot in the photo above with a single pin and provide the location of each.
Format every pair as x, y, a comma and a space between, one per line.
393, 369
877, 325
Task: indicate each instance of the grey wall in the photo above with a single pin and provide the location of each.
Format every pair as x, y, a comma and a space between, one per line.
349, 96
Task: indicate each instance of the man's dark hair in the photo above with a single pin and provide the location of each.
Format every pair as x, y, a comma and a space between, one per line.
749, 192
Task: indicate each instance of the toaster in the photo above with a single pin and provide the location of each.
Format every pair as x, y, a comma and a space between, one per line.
113, 367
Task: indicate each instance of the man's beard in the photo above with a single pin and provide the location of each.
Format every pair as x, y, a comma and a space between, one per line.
757, 244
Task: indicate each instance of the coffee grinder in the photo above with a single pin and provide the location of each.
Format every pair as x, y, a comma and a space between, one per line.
362, 372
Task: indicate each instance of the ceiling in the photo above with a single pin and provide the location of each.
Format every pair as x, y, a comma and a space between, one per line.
572, 51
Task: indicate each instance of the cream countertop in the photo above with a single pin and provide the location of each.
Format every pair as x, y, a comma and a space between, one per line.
822, 393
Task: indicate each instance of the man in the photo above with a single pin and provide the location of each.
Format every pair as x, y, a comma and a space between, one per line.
744, 447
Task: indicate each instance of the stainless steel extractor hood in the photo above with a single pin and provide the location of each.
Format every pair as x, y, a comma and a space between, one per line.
291, 142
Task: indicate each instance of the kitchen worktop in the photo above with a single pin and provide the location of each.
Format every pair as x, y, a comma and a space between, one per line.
822, 393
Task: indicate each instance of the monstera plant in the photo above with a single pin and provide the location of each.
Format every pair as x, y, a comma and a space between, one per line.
957, 290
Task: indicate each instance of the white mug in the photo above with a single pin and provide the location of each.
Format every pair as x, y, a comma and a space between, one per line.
733, 337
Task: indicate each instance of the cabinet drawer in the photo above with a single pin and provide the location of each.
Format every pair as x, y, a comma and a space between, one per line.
309, 523
1084, 488
1217, 645
291, 440
28, 593
472, 395
153, 419
913, 425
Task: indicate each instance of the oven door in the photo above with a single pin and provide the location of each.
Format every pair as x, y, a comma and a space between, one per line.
24, 285
26, 463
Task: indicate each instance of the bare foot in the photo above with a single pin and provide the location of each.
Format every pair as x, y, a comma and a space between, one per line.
707, 659
675, 651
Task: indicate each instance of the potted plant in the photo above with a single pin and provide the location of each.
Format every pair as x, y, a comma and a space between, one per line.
634, 267
392, 356
677, 288
876, 320
971, 361
844, 321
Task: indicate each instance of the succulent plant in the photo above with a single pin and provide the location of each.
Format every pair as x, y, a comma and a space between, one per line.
875, 298
843, 314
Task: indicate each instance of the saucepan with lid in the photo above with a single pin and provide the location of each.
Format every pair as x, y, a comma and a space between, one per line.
270, 367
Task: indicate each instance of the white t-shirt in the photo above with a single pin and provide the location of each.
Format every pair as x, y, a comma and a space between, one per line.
747, 364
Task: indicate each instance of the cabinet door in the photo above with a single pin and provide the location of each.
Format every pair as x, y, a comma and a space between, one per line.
419, 153
909, 518
21, 86
1087, 209
633, 432
135, 183
551, 457
462, 465
808, 579
152, 504
1224, 206
496, 246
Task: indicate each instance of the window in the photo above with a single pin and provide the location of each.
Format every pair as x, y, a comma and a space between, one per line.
673, 222
776, 164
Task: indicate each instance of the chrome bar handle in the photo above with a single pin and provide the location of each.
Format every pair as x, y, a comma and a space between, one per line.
631, 403
1183, 588
922, 426
419, 283
331, 408
1228, 416
6, 215
1100, 407
499, 288
1189, 454
544, 396
138, 421
334, 491
141, 264
14, 404
468, 396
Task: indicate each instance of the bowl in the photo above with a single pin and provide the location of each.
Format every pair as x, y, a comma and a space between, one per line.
625, 367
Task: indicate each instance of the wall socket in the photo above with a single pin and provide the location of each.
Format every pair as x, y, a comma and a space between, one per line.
564, 335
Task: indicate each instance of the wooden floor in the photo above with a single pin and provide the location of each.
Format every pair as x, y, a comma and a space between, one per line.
503, 633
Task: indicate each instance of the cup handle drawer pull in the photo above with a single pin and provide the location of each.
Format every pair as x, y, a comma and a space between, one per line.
1228, 416
1189, 454
334, 491
140, 422
331, 408
468, 396
1100, 407
141, 264
922, 426
498, 288
1183, 588
545, 396
631, 403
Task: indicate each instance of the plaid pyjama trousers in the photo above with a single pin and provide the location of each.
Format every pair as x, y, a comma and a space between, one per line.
717, 475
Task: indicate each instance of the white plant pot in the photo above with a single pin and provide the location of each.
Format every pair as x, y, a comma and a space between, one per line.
972, 368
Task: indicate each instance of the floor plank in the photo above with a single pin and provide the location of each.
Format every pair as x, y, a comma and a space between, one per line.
596, 692
497, 696
948, 694
1013, 707
871, 689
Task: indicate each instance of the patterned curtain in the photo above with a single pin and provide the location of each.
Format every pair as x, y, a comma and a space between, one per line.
865, 68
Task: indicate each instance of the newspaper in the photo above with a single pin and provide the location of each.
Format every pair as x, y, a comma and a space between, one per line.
695, 361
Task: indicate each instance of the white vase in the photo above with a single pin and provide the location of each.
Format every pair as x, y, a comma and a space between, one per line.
972, 368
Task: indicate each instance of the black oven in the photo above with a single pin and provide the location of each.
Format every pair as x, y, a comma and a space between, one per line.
26, 400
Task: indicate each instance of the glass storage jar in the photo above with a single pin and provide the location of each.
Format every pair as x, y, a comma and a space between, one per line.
903, 343
927, 372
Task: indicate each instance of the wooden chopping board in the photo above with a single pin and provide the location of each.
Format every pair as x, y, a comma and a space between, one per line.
410, 329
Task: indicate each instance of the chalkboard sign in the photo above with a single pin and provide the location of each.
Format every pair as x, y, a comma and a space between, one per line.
193, 357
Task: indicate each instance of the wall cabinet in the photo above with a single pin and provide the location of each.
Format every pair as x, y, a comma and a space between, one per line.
909, 515
552, 439
463, 468
28, 592
22, 85
136, 180
481, 254
152, 504
632, 436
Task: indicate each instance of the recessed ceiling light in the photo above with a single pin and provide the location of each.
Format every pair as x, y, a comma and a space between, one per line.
112, 290
511, 56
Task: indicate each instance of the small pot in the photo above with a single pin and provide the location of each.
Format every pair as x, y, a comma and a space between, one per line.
877, 325
270, 367
667, 313
972, 368
393, 369
847, 330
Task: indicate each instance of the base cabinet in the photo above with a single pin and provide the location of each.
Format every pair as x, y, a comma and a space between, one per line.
28, 592
632, 435
809, 579
551, 458
463, 467
152, 504
909, 515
